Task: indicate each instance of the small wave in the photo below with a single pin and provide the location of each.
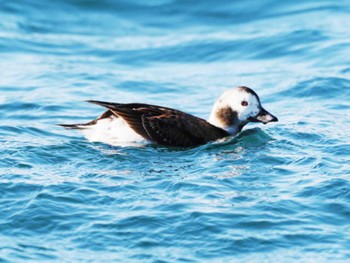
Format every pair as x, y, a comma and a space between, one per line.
320, 89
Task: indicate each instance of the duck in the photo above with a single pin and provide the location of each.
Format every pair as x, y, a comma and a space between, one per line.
124, 123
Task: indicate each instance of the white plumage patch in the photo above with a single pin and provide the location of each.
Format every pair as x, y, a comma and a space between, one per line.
113, 131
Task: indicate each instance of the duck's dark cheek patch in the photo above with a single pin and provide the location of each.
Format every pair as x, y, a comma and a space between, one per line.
227, 116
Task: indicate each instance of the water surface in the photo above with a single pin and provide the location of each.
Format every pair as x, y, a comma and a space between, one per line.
275, 193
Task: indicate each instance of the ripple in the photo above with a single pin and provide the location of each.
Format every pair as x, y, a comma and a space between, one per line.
329, 190
319, 89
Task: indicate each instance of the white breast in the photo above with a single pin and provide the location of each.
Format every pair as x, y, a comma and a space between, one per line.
113, 131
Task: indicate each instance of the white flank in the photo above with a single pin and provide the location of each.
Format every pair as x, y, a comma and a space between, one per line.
113, 131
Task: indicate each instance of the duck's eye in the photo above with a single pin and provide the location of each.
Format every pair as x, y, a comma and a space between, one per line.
244, 103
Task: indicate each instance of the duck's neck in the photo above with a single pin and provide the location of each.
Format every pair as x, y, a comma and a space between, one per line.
225, 118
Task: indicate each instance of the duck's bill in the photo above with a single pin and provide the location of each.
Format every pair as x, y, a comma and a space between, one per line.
263, 116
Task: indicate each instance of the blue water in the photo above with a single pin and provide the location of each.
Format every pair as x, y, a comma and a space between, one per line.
275, 193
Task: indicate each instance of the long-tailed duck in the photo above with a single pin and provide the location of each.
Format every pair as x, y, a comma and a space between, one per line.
137, 122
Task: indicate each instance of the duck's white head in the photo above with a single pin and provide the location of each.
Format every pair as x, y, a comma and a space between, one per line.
236, 107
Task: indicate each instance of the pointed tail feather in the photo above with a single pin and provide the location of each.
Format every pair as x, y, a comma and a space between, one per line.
73, 126
109, 105
81, 126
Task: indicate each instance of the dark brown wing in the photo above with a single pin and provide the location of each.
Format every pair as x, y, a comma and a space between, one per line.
168, 132
165, 125
181, 129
